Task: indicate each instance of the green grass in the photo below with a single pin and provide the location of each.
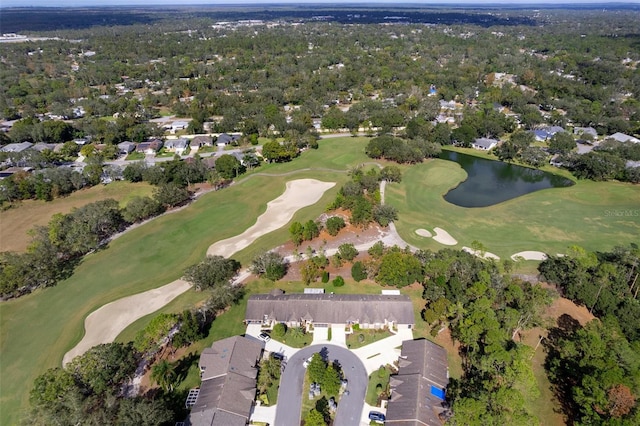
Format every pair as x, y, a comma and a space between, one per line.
38, 329
379, 377
549, 220
135, 156
368, 337
22, 217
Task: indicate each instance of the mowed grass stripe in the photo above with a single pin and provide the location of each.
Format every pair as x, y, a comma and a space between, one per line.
38, 329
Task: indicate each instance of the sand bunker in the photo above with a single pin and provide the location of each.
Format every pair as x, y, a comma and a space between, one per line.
104, 324
443, 237
529, 255
299, 193
423, 233
483, 255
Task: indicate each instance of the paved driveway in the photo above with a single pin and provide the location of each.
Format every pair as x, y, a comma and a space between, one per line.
290, 394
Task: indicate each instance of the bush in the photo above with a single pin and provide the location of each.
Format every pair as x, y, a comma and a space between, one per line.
334, 225
279, 330
325, 276
358, 271
338, 281
347, 252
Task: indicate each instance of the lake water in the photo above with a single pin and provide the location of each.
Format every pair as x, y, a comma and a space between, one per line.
492, 182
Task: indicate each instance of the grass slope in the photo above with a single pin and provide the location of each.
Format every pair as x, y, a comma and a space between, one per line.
38, 329
585, 214
18, 220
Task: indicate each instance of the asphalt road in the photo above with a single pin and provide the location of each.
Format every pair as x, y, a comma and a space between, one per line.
291, 393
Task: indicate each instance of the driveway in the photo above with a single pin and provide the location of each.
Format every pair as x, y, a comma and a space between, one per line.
350, 406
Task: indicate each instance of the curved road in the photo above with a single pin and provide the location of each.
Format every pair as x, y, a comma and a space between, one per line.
291, 393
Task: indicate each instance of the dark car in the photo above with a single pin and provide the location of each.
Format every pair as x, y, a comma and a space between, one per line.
376, 416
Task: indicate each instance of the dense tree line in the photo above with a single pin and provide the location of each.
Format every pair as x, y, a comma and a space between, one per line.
89, 390
401, 150
56, 248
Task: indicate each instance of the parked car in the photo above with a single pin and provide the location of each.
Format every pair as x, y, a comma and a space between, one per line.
376, 416
264, 337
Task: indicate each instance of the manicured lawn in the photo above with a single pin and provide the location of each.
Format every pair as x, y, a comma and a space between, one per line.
362, 337
30, 213
36, 330
135, 156
379, 377
549, 220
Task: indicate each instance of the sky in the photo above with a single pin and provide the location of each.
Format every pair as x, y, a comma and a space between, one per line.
66, 3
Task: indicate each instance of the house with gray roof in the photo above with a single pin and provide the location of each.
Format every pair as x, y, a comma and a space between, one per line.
418, 389
126, 147
295, 310
585, 131
229, 371
202, 140
226, 139
16, 147
41, 146
621, 137
484, 144
179, 146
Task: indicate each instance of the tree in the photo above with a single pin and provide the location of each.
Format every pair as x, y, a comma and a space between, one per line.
170, 195
134, 172
338, 281
334, 225
358, 271
384, 214
141, 208
148, 340
534, 156
310, 230
279, 330
296, 232
223, 296
399, 269
164, 374
314, 418
105, 367
229, 166
347, 252
270, 265
561, 143
331, 381
391, 174
212, 272
316, 368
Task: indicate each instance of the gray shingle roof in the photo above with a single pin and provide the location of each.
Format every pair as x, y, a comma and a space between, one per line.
228, 382
331, 308
422, 364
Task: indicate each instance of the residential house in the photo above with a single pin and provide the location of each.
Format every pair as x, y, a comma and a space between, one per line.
16, 147
41, 146
178, 125
547, 132
150, 147
226, 139
126, 147
368, 310
579, 131
179, 146
202, 140
418, 389
13, 170
229, 371
484, 144
451, 105
621, 137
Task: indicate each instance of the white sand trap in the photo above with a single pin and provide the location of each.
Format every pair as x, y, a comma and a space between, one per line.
483, 255
299, 193
443, 237
423, 233
529, 255
104, 324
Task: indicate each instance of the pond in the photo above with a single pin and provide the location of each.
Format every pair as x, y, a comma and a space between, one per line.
492, 182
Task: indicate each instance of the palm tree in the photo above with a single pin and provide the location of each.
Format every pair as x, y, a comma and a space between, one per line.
164, 374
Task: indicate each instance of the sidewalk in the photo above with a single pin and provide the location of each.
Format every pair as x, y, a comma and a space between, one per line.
383, 352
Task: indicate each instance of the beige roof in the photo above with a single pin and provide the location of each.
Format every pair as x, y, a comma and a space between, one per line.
331, 308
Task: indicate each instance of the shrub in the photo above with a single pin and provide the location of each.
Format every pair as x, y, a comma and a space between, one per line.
279, 330
347, 252
358, 271
334, 225
338, 281
325, 276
